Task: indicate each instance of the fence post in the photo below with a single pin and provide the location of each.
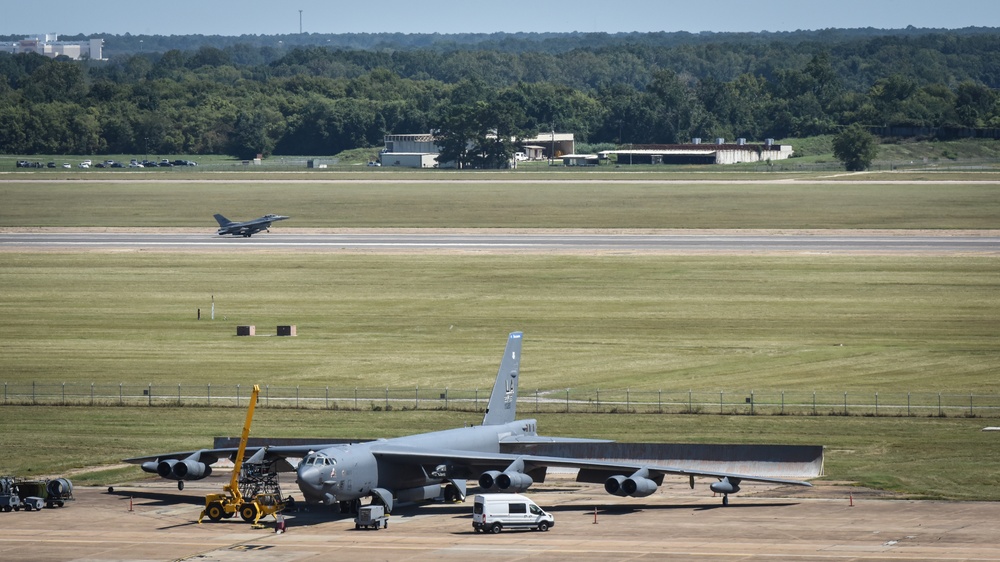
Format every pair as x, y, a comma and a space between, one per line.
690, 403
91, 394
237, 396
5, 393
296, 396
446, 398
598, 401
416, 398
209, 394
751, 402
970, 405
32, 392
355, 398
814, 402
908, 405
939, 404
267, 395
327, 397
178, 394
121, 400
536, 399
628, 401
876, 404
845, 403
782, 402
63, 394
720, 401
149, 394
659, 400
387, 399
567, 400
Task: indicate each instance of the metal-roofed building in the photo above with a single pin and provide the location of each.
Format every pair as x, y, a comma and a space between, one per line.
697, 153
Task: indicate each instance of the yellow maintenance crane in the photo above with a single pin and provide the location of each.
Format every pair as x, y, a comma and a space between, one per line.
233, 500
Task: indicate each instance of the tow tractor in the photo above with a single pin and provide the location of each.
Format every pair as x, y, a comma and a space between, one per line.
255, 479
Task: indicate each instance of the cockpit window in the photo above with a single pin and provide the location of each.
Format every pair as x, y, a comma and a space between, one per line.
319, 460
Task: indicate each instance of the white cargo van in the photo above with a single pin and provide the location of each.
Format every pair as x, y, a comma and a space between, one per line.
495, 512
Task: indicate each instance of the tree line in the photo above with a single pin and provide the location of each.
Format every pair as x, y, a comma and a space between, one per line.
243, 99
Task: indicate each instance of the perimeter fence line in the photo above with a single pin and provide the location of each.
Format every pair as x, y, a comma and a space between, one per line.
568, 400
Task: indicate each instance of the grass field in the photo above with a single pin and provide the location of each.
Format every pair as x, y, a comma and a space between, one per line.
858, 323
440, 200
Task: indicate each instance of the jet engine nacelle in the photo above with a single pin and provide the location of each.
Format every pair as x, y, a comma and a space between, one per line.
633, 486
191, 470
614, 486
638, 487
494, 480
514, 482
488, 480
725, 486
187, 469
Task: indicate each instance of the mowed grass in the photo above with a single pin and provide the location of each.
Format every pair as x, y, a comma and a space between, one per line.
483, 201
676, 323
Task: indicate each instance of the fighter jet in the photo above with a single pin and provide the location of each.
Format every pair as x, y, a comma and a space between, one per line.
436, 465
248, 228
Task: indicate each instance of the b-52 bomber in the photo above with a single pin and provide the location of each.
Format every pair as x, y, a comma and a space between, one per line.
436, 465
246, 229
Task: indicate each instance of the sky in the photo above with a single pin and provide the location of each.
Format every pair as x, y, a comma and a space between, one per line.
278, 17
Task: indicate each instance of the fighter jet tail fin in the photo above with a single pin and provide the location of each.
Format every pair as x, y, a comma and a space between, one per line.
502, 407
223, 221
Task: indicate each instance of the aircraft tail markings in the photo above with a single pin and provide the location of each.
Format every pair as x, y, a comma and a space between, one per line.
223, 221
502, 407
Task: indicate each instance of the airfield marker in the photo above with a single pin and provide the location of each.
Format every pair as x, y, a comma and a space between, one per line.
595, 515
852, 499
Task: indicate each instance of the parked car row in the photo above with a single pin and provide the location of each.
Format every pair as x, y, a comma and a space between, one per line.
134, 163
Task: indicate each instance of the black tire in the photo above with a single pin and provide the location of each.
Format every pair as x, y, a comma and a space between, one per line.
543, 526
248, 512
111, 489
725, 501
496, 528
180, 485
215, 512
477, 529
27, 507
357, 526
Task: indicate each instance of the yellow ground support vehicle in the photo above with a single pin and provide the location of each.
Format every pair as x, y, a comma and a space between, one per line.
259, 496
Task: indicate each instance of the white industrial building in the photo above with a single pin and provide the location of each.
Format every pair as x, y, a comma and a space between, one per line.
698, 153
50, 46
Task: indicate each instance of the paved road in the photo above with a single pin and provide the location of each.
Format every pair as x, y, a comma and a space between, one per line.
503, 243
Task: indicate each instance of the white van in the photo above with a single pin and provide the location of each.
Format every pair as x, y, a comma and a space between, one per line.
495, 512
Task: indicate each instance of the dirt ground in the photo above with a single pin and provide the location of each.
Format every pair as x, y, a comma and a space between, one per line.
152, 520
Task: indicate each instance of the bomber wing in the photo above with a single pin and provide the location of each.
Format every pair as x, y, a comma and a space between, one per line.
590, 470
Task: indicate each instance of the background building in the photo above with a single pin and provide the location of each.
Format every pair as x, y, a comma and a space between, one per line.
50, 46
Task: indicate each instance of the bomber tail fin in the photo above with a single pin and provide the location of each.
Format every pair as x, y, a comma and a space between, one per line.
502, 407
223, 221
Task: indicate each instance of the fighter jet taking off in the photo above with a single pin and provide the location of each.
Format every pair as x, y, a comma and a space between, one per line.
248, 228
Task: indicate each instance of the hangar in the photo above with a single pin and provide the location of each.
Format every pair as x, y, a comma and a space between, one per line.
698, 153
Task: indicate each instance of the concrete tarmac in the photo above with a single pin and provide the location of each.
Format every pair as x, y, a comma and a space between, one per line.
154, 521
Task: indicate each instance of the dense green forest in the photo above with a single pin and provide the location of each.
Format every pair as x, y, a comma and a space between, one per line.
298, 96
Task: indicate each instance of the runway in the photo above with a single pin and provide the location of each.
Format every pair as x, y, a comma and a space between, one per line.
520, 242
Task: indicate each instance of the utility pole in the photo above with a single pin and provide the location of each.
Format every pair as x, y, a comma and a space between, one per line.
300, 22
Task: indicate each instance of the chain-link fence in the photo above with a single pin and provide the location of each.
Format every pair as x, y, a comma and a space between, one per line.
724, 402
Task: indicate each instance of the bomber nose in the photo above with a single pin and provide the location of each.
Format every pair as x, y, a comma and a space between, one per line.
309, 476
